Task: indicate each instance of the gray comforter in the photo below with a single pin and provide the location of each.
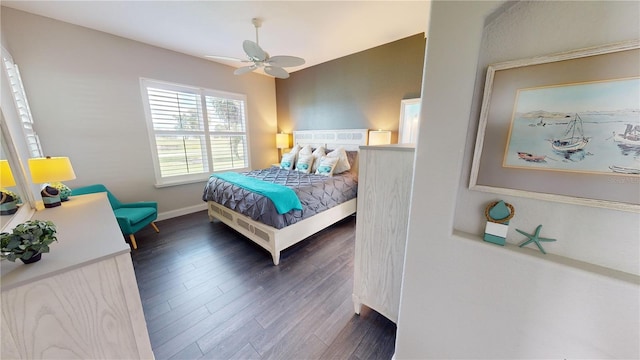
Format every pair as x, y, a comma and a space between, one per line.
316, 193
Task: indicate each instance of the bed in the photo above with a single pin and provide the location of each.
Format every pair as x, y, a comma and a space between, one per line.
275, 237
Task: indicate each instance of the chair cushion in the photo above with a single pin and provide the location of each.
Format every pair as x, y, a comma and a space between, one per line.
134, 215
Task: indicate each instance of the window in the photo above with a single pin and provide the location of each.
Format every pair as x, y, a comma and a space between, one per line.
22, 105
194, 131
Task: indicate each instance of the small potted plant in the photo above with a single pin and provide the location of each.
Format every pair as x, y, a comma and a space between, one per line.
28, 241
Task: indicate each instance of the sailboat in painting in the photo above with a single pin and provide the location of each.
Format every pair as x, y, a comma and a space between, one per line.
625, 169
633, 169
630, 137
531, 157
573, 138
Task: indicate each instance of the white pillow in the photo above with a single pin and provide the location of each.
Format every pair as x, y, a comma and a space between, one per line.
287, 162
327, 165
317, 155
306, 150
295, 150
343, 161
304, 163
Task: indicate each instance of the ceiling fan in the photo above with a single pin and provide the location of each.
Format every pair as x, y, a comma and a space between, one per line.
273, 65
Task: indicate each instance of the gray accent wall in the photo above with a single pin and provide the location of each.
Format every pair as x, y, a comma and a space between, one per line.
362, 90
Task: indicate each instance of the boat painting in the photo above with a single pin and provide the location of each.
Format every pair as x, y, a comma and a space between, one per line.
530, 157
587, 127
630, 136
629, 169
573, 139
624, 169
539, 123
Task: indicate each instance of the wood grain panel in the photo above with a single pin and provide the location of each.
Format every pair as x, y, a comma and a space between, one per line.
127, 278
384, 191
8, 349
75, 315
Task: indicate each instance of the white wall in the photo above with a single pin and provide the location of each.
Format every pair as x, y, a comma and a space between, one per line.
530, 29
84, 91
464, 298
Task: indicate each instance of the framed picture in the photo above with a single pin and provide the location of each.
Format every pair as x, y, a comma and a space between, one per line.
563, 127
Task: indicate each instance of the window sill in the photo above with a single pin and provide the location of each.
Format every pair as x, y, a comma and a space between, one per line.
195, 179
180, 182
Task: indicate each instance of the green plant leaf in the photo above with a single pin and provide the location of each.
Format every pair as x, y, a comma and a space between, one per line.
13, 243
28, 239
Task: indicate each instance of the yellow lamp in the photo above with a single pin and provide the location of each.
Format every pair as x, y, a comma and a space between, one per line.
50, 171
6, 176
379, 137
282, 142
8, 200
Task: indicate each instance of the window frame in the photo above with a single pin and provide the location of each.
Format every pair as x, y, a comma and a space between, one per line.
21, 103
165, 181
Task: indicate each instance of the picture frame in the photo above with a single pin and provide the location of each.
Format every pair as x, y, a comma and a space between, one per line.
528, 105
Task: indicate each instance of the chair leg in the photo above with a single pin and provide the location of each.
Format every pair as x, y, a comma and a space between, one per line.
133, 242
155, 227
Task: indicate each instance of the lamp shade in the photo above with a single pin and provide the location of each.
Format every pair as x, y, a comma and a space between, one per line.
6, 176
50, 169
282, 141
379, 137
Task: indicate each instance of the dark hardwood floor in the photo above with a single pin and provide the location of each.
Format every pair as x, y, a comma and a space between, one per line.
210, 293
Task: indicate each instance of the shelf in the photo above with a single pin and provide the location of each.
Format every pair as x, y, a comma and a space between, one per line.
514, 250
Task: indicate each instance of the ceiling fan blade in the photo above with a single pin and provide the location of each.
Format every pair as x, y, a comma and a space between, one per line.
245, 69
285, 61
254, 51
229, 58
276, 71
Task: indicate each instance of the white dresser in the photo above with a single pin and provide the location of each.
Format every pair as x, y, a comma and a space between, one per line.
81, 300
384, 193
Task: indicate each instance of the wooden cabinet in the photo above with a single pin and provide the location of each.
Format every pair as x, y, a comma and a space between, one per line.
81, 300
384, 193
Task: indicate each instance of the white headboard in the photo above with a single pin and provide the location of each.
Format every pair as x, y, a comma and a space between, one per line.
350, 139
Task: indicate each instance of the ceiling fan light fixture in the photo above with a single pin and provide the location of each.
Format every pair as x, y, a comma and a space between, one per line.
272, 65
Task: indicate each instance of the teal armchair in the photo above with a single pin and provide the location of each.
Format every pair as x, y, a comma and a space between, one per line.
132, 217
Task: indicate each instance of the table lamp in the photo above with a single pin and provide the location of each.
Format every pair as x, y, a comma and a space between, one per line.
282, 142
379, 137
50, 171
9, 199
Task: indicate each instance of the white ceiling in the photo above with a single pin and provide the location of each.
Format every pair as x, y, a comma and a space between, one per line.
317, 31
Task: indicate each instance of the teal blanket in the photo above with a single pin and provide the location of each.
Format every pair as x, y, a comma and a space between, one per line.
284, 198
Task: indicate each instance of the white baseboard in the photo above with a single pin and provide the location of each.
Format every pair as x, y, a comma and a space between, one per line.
183, 211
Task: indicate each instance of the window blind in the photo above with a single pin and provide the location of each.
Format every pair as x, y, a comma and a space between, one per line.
226, 118
195, 131
22, 106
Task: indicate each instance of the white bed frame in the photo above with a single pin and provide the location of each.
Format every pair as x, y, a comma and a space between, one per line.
275, 240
